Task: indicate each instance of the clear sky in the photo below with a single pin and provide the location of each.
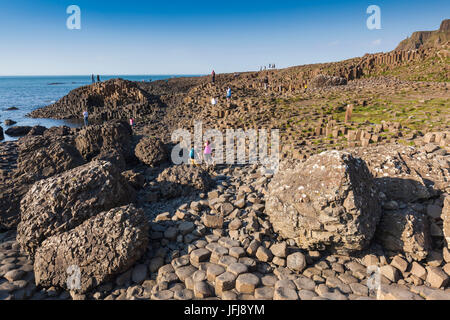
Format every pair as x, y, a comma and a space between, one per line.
193, 37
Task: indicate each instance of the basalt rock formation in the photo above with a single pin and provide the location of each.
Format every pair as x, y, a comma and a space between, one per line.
105, 245
426, 39
63, 202
330, 201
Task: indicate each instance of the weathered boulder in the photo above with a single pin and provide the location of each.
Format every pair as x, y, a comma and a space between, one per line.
329, 201
181, 180
18, 131
151, 151
404, 173
446, 217
37, 131
113, 135
38, 158
63, 202
92, 253
58, 131
322, 80
41, 157
404, 231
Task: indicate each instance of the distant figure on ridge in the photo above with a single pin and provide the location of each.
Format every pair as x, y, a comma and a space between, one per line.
266, 82
131, 122
228, 94
93, 79
85, 117
98, 78
192, 156
213, 76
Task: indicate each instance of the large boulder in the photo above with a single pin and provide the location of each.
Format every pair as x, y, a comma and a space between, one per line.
327, 202
151, 151
93, 252
41, 157
38, 158
182, 180
404, 231
18, 131
446, 217
323, 80
63, 202
37, 131
113, 135
405, 173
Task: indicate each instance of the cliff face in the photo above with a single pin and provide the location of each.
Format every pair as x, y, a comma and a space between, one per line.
427, 39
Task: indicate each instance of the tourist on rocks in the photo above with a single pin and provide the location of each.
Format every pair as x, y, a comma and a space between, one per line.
228, 94
131, 122
213, 101
213, 76
192, 156
98, 78
266, 82
93, 79
85, 117
207, 153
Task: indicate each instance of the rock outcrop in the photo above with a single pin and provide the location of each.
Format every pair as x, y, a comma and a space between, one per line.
404, 231
63, 202
151, 151
446, 217
181, 180
329, 201
322, 80
427, 39
93, 252
18, 131
113, 135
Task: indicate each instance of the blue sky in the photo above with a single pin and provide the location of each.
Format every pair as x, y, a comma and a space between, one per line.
192, 37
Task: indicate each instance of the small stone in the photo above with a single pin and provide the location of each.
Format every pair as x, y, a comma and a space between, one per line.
390, 272
213, 271
186, 227
236, 252
304, 283
210, 221
296, 261
224, 282
285, 293
306, 295
246, 283
202, 290
253, 247
279, 249
399, 263
237, 268
199, 255
264, 293
184, 272
269, 280
264, 254
235, 224
359, 289
155, 264
418, 270
163, 295
14, 275
184, 294
436, 277
229, 295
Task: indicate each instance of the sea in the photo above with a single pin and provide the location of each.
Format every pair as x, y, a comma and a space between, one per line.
27, 93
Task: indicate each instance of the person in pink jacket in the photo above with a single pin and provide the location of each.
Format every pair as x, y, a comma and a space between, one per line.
207, 152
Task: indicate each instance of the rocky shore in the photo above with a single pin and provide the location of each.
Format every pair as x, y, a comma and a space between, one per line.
358, 210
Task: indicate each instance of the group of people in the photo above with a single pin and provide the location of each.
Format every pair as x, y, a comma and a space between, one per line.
93, 78
86, 119
214, 100
207, 154
271, 66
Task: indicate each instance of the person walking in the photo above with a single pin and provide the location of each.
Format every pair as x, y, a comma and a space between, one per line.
207, 153
93, 79
98, 78
131, 122
266, 82
213, 76
192, 156
85, 117
228, 94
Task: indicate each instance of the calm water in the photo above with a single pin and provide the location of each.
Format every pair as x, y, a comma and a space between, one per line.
29, 93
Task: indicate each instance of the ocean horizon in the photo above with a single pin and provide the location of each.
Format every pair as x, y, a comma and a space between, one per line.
27, 93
